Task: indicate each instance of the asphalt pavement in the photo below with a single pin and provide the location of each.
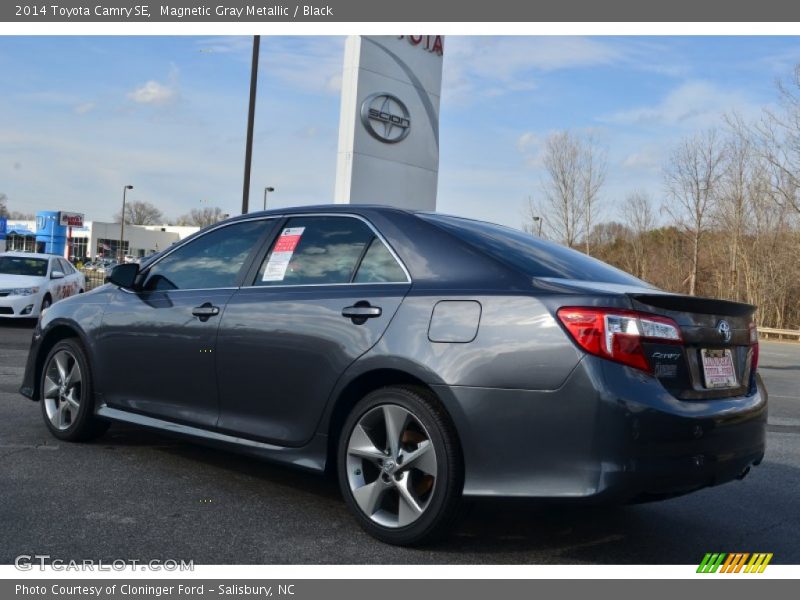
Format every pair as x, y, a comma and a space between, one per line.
135, 494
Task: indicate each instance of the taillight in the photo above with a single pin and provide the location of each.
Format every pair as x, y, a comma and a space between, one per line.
618, 334
754, 346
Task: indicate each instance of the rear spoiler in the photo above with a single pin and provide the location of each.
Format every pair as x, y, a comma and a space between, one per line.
695, 304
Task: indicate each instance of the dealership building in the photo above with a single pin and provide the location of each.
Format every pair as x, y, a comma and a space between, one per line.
51, 233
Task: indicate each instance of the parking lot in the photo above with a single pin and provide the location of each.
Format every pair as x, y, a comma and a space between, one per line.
134, 494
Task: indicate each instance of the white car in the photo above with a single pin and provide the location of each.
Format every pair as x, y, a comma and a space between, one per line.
30, 283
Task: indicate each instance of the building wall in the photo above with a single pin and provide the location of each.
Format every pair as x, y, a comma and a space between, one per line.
141, 239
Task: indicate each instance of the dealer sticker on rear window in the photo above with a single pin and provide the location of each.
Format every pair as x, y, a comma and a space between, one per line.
282, 254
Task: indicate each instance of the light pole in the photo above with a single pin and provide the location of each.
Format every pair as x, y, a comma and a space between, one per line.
538, 221
251, 116
120, 251
267, 189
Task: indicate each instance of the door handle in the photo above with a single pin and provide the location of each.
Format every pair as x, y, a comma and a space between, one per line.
205, 311
361, 311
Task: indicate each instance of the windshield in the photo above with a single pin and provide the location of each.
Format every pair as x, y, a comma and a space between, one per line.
22, 265
531, 255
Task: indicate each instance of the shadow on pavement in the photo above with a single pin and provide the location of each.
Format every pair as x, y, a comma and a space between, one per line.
742, 516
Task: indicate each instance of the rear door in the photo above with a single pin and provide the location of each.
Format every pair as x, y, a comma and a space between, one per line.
73, 280
322, 295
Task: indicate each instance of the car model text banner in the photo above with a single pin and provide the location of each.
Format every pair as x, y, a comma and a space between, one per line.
405, 11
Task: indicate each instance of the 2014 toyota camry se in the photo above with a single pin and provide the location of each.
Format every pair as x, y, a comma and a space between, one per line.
423, 357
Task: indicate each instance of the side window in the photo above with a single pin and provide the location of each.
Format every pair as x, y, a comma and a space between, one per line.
315, 250
64, 266
379, 266
213, 260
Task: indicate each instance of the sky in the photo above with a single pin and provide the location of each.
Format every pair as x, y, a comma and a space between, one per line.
82, 116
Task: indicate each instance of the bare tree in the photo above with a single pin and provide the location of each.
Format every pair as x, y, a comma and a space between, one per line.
692, 177
3, 205
561, 192
575, 170
777, 137
201, 217
592, 177
743, 177
640, 219
138, 212
561, 204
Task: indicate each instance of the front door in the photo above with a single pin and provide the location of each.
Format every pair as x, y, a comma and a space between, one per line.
156, 351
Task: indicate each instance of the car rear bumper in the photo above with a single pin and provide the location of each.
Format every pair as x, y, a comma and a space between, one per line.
609, 433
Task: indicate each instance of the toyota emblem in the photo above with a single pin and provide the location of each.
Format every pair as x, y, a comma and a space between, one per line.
724, 330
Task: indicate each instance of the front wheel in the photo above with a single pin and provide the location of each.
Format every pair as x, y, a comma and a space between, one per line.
399, 466
66, 394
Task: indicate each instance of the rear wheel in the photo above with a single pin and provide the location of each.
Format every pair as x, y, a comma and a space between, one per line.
66, 394
400, 467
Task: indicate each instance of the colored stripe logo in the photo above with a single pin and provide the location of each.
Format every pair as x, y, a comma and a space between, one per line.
735, 562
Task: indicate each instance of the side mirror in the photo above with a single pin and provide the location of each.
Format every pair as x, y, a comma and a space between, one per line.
57, 275
124, 275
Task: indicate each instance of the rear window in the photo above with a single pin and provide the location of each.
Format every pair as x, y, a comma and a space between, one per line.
529, 254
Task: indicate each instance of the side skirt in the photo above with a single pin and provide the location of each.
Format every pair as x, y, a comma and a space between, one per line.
311, 456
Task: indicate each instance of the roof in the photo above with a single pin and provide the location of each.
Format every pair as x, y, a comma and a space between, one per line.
328, 208
30, 254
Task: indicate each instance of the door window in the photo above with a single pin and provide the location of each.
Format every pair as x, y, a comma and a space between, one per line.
379, 266
315, 251
213, 260
65, 267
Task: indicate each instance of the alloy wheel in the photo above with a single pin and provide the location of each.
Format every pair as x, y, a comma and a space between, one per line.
62, 389
391, 466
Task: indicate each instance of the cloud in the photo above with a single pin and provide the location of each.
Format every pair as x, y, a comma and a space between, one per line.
155, 93
506, 57
527, 140
478, 67
529, 145
84, 108
692, 104
304, 63
646, 157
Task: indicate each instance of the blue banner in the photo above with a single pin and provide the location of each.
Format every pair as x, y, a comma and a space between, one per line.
3, 226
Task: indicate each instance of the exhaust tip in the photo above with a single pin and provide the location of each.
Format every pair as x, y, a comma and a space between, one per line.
743, 474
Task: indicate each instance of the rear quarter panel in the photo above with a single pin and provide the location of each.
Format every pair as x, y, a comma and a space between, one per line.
518, 344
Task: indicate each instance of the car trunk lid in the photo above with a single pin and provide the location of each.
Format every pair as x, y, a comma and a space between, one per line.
718, 350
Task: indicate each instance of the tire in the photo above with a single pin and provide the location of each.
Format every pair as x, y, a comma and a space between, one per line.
409, 493
47, 302
66, 394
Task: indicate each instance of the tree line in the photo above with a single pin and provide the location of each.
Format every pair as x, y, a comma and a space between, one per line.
726, 222
138, 212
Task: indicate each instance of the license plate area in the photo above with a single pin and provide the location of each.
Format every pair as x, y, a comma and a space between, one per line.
718, 369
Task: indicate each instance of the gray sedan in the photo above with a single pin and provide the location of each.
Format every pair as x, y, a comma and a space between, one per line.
420, 357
